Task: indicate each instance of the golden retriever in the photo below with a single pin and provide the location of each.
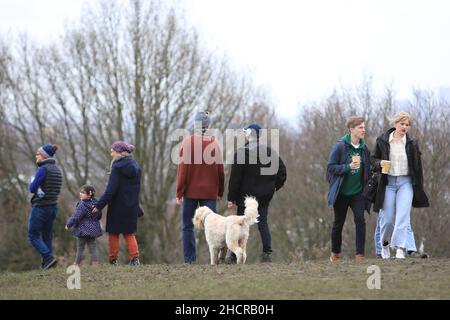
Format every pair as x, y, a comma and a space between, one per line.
231, 231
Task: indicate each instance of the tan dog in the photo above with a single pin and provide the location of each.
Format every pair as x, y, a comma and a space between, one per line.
232, 231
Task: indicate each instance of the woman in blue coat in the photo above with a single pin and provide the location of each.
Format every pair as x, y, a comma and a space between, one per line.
122, 197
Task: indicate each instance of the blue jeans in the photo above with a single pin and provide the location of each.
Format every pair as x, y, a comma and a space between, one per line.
40, 229
377, 237
395, 221
410, 240
188, 234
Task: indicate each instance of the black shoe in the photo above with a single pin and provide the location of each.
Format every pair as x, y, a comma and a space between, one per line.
379, 256
49, 263
415, 254
266, 257
134, 262
231, 259
114, 263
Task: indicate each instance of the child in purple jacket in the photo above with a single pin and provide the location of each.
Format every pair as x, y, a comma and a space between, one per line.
86, 225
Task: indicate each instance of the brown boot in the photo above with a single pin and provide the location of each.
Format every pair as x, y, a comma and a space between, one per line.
335, 257
360, 258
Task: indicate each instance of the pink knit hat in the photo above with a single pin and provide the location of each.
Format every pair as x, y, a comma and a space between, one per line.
121, 146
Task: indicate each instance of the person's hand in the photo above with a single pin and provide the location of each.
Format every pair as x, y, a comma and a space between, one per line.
66, 227
354, 165
179, 201
94, 210
219, 198
230, 204
382, 162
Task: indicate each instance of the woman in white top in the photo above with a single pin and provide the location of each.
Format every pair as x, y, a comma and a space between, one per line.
401, 188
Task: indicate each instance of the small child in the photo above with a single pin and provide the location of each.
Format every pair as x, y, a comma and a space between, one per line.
86, 225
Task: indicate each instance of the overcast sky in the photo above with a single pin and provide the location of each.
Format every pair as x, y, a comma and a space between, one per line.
299, 50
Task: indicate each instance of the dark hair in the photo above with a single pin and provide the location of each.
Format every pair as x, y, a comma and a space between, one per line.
89, 190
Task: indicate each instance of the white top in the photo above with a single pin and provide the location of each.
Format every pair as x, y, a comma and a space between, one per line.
397, 156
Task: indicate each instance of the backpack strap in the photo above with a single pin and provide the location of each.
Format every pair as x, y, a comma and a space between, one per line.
342, 150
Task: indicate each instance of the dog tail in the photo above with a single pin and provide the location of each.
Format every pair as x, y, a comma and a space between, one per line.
251, 210
199, 217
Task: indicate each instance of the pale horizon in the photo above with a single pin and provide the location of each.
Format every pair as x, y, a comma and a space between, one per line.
298, 50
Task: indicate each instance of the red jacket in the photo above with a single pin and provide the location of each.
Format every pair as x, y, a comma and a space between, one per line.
200, 170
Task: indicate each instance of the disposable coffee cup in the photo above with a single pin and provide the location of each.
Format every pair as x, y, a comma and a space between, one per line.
386, 167
356, 159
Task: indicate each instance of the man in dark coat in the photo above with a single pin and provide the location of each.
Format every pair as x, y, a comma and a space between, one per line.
122, 197
253, 176
46, 187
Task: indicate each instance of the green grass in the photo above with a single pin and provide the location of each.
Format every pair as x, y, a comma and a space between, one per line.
408, 279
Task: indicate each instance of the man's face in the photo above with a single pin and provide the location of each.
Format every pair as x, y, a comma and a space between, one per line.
39, 158
359, 131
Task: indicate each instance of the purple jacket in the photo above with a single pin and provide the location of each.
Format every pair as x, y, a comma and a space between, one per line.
84, 222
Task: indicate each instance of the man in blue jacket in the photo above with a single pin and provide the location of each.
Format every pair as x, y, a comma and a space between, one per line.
347, 173
46, 187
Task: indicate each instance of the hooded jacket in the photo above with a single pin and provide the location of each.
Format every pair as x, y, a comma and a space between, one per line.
257, 171
84, 222
338, 167
122, 197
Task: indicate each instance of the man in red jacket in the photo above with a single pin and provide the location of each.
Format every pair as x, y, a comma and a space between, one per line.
200, 179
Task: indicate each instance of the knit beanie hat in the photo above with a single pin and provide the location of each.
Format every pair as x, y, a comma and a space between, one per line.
48, 150
254, 127
202, 118
121, 146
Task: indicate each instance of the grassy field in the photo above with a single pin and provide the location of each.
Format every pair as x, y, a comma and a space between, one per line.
408, 279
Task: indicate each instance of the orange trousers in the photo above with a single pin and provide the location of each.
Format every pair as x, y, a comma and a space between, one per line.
130, 241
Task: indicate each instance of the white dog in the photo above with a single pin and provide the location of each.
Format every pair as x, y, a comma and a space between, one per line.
232, 231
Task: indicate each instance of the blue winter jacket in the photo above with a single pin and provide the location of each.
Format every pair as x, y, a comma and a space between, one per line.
84, 222
337, 161
122, 197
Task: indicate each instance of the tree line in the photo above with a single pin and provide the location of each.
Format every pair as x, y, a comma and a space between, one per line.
138, 72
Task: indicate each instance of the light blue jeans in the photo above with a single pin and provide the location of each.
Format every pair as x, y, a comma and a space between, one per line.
410, 240
395, 217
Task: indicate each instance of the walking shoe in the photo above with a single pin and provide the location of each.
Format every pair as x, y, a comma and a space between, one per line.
335, 257
49, 263
134, 262
379, 256
360, 258
231, 259
94, 263
400, 254
114, 263
385, 252
415, 254
266, 257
